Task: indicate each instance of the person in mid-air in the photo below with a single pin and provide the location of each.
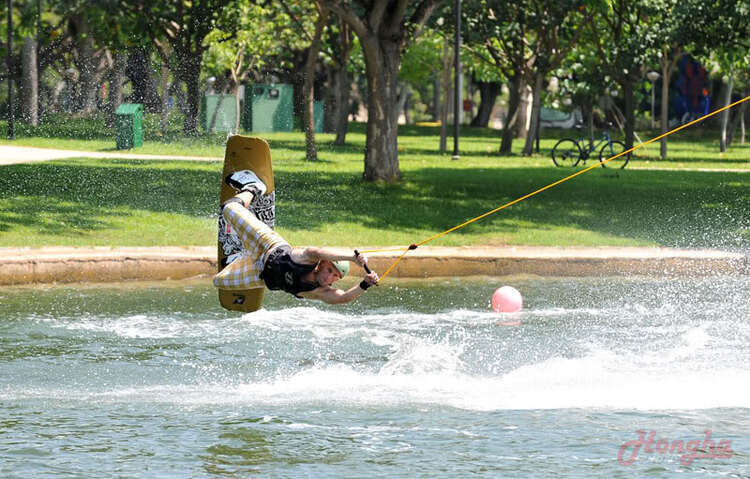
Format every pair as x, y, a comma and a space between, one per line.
268, 260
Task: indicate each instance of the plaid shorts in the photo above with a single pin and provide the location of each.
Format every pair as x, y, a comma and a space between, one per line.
258, 240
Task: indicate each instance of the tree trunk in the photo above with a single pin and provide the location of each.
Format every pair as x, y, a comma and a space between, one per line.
522, 127
381, 149
29, 83
339, 86
337, 99
737, 120
309, 86
536, 106
488, 92
141, 76
164, 97
332, 104
403, 102
237, 112
436, 97
383, 34
742, 125
627, 90
116, 75
215, 115
343, 94
446, 81
177, 92
511, 118
667, 65
664, 115
725, 114
86, 65
191, 77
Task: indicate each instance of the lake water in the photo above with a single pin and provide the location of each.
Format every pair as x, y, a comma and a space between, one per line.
415, 380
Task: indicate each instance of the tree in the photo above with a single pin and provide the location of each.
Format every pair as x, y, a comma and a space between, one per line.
582, 80
554, 28
623, 41
485, 74
342, 43
312, 57
500, 27
384, 29
718, 31
179, 28
260, 34
421, 63
668, 29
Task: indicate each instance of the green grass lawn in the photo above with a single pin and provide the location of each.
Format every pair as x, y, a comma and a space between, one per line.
83, 202
693, 148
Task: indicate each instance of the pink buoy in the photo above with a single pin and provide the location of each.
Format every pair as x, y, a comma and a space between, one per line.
507, 300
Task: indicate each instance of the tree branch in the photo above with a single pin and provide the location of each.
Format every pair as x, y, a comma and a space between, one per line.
296, 20
346, 13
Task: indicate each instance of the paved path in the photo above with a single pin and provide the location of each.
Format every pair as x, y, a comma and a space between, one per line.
27, 154
63, 265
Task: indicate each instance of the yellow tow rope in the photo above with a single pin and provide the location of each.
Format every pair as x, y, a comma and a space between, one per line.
518, 200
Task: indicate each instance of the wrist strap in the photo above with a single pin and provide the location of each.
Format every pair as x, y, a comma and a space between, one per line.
364, 285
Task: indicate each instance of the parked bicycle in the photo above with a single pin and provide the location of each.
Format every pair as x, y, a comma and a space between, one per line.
571, 152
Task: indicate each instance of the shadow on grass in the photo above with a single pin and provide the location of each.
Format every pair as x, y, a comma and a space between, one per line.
680, 209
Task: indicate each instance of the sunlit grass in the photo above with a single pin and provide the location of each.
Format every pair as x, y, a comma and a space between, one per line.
696, 148
117, 202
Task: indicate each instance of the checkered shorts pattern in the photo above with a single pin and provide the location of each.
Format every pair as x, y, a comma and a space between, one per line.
258, 240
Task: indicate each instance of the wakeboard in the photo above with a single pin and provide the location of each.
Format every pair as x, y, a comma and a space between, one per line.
244, 153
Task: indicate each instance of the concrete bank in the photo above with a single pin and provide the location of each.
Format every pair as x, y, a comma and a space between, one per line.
66, 265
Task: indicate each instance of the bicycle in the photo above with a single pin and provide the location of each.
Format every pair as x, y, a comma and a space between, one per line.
569, 152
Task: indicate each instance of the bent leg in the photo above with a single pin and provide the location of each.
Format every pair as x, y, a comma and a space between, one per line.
255, 235
258, 240
242, 273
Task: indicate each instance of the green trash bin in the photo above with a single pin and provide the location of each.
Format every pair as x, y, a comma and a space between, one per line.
129, 126
318, 116
219, 109
269, 108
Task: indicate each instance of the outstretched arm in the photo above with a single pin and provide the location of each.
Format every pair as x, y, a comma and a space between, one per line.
314, 254
339, 296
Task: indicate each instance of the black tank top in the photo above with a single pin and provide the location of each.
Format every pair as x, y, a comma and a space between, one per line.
281, 272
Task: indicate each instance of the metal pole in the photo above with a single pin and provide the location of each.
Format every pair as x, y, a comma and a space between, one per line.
38, 58
11, 119
457, 85
653, 122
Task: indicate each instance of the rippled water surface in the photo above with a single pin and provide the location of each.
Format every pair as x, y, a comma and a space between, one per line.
415, 380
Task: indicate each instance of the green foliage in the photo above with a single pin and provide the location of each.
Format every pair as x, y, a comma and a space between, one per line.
246, 49
423, 58
718, 31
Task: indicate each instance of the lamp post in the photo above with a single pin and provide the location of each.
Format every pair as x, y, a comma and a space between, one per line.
38, 55
457, 85
11, 119
652, 77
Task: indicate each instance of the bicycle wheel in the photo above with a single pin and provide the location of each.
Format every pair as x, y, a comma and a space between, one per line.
566, 153
611, 149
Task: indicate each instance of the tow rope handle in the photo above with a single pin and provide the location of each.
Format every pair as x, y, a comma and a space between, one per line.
367, 268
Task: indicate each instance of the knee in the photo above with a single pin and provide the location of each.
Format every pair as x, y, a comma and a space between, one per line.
231, 201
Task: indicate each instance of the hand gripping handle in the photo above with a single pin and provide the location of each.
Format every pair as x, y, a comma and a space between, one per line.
367, 268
